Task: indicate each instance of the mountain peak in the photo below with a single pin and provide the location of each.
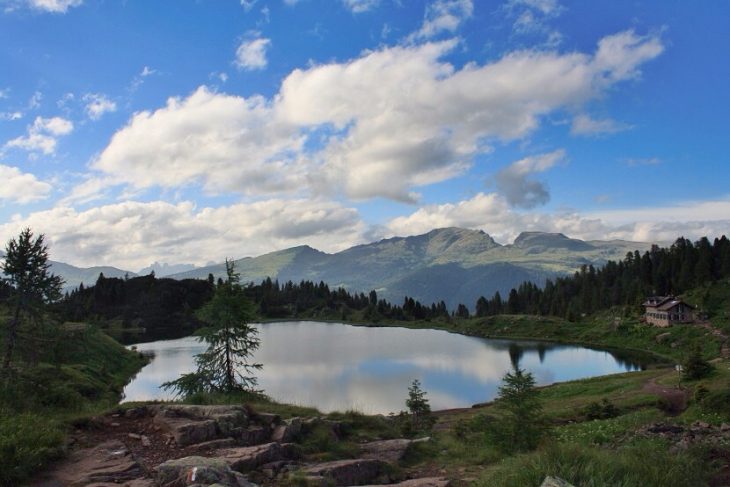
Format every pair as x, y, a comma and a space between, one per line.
547, 241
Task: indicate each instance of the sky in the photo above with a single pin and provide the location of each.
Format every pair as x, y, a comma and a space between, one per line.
187, 131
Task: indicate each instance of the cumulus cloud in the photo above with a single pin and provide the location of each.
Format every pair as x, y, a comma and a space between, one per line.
54, 6
380, 125
492, 213
532, 17
131, 234
97, 104
251, 54
360, 6
223, 142
20, 187
43, 135
443, 16
585, 125
515, 183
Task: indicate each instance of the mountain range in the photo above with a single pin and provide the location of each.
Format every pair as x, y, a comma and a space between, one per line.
452, 264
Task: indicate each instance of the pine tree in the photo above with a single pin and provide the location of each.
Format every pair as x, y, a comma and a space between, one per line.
224, 366
26, 269
419, 408
523, 424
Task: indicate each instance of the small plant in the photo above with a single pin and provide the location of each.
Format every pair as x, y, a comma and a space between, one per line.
603, 410
701, 392
418, 418
696, 367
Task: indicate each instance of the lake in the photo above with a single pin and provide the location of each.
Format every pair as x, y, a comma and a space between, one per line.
335, 367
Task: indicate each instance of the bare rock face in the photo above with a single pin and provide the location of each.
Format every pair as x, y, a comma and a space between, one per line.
197, 424
555, 482
360, 471
108, 462
390, 451
287, 431
248, 458
190, 471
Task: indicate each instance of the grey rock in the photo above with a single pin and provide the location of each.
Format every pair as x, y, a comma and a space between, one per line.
108, 462
390, 451
255, 435
287, 431
361, 471
190, 471
249, 458
422, 482
555, 482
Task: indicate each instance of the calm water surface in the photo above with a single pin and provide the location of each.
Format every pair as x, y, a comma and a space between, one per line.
335, 367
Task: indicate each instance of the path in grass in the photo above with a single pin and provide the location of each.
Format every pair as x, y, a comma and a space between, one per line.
676, 398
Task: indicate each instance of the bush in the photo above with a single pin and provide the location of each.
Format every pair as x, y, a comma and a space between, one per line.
603, 410
27, 443
696, 367
522, 424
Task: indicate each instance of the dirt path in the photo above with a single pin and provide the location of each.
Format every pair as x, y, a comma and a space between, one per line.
676, 398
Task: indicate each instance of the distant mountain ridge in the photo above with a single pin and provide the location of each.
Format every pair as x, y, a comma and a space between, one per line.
455, 265
451, 264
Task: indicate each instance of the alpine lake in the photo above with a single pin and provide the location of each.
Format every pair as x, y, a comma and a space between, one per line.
339, 367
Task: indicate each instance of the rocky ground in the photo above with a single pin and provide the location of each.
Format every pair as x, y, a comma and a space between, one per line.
174, 445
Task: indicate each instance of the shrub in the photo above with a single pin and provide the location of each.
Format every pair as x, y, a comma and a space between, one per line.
603, 410
696, 367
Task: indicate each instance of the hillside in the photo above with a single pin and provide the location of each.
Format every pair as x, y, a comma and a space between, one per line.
451, 264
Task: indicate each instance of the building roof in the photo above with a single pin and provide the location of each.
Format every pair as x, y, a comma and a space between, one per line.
664, 303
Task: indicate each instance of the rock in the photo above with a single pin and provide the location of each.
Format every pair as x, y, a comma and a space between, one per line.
267, 418
215, 444
423, 482
359, 471
196, 424
255, 435
135, 436
390, 451
555, 482
134, 413
335, 427
249, 458
287, 431
108, 462
145, 441
198, 471
725, 427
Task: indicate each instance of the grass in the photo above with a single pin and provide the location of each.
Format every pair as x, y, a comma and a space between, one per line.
640, 464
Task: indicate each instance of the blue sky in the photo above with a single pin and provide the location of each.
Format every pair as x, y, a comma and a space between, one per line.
187, 131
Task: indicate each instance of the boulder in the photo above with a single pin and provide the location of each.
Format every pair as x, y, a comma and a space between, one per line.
198, 471
360, 471
190, 424
555, 482
249, 458
390, 451
255, 435
287, 431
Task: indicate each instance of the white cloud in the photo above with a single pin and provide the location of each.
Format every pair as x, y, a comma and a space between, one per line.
20, 187
248, 4
132, 234
492, 213
405, 118
643, 161
516, 185
43, 135
223, 142
443, 16
360, 6
35, 101
380, 125
4, 93
11, 116
251, 54
54, 6
147, 71
620, 55
532, 17
585, 125
97, 105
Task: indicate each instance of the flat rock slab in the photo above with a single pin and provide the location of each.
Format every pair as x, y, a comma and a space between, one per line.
555, 482
390, 451
361, 471
191, 471
249, 458
108, 462
423, 482
190, 424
